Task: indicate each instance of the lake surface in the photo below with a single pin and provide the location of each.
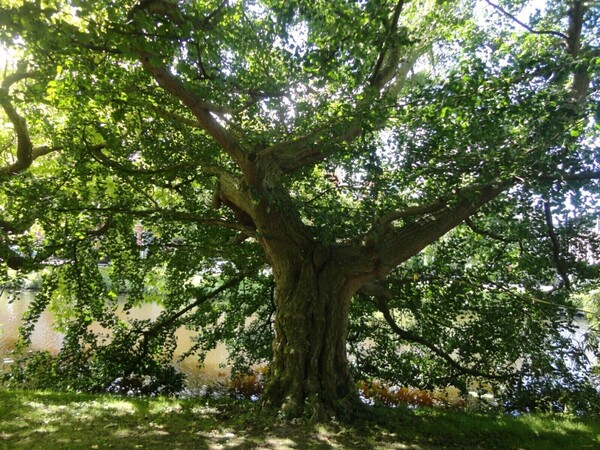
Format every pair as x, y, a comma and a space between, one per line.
45, 336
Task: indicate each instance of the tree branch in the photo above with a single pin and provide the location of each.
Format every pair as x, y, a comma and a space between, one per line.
415, 338
294, 154
44, 150
581, 176
176, 117
188, 165
24, 145
297, 144
413, 211
490, 234
13, 78
382, 74
581, 77
159, 325
390, 246
26, 153
167, 214
152, 331
524, 25
197, 106
555, 247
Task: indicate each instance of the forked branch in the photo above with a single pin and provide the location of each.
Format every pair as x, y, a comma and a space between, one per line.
388, 54
305, 150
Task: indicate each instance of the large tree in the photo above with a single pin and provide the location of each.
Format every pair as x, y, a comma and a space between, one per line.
320, 146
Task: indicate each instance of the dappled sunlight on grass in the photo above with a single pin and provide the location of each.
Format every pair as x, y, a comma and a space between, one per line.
542, 424
33, 420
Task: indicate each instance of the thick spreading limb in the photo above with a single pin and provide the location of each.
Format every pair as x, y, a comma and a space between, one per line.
199, 108
388, 246
412, 211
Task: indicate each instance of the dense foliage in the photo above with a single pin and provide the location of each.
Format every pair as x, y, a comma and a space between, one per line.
413, 183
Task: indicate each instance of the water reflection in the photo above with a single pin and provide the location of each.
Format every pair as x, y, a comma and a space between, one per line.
45, 336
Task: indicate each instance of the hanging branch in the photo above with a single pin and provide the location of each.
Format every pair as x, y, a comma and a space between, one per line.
170, 320
415, 338
167, 214
154, 330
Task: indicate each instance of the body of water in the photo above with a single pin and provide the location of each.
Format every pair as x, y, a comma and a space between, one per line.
46, 337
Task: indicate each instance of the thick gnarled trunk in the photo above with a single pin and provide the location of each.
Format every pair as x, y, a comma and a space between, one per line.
309, 372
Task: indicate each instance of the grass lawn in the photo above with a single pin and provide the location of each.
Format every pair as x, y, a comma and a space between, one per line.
45, 420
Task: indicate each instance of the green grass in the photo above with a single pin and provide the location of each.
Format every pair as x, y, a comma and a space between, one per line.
44, 420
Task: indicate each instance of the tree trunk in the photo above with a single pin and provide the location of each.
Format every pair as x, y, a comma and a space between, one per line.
309, 372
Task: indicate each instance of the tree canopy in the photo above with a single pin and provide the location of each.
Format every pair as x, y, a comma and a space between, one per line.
319, 184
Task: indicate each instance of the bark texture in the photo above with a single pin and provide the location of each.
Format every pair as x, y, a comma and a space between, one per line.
310, 372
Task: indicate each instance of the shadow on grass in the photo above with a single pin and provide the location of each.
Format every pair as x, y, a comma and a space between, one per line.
447, 428
35, 420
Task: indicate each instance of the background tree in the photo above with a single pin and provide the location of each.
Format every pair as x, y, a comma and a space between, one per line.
297, 158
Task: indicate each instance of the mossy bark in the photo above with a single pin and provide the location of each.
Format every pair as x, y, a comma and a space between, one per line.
310, 373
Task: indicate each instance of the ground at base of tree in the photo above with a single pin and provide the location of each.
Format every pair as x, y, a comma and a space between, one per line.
36, 420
